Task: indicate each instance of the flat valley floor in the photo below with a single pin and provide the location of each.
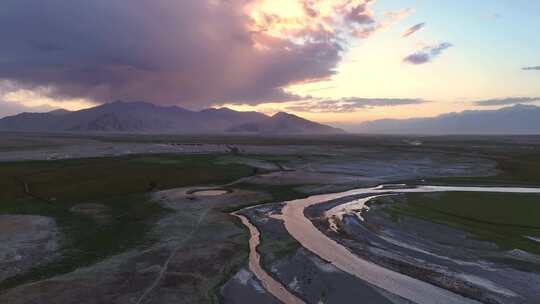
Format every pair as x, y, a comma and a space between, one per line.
132, 218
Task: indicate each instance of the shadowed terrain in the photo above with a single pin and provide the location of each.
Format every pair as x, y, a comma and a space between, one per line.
133, 208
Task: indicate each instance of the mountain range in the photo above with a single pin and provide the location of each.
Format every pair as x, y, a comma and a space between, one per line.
517, 119
142, 117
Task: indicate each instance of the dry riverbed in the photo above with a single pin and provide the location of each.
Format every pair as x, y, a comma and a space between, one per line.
25, 242
197, 248
392, 262
196, 252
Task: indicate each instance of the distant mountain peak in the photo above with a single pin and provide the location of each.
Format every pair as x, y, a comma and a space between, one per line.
285, 115
282, 114
286, 123
224, 109
59, 112
521, 106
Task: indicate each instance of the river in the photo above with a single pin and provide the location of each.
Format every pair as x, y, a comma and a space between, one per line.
303, 230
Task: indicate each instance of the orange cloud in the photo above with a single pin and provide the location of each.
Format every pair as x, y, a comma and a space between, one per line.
306, 20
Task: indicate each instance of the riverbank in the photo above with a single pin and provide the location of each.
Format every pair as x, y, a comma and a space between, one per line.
369, 261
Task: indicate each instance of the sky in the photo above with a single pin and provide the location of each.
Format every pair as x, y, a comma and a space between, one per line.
333, 61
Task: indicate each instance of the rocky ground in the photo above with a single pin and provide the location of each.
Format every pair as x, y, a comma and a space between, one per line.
435, 253
199, 251
198, 247
26, 241
310, 278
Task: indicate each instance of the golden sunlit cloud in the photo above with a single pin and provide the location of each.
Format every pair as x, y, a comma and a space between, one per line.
303, 20
300, 21
32, 99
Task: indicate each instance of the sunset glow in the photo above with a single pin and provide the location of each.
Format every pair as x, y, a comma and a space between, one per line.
269, 151
283, 55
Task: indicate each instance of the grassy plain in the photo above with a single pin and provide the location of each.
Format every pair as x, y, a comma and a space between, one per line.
120, 184
87, 179
504, 218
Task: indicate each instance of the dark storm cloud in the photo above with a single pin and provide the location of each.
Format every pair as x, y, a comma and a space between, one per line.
506, 101
413, 29
427, 54
187, 52
351, 104
532, 68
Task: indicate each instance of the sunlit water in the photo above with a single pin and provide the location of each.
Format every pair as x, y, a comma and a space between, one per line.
272, 286
210, 192
303, 230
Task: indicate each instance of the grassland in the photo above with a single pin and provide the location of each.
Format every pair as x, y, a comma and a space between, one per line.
505, 219
85, 240
120, 184
514, 168
277, 193
79, 180
517, 157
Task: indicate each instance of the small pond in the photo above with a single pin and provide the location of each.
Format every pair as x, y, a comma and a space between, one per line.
209, 192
